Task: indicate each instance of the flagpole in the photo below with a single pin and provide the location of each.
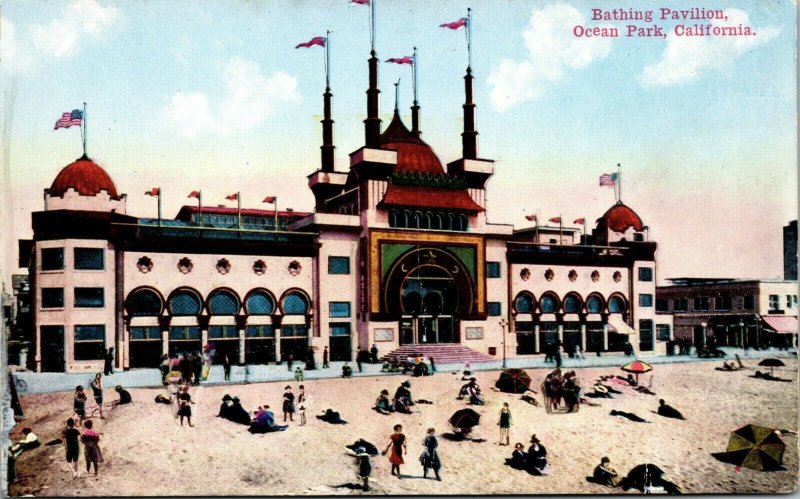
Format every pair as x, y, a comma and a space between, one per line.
83, 130
619, 183
469, 37
537, 226
276, 205
560, 230
158, 198
239, 208
585, 240
200, 206
372, 25
327, 59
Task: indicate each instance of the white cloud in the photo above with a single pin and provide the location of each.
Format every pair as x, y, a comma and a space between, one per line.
82, 19
552, 50
250, 98
10, 55
686, 57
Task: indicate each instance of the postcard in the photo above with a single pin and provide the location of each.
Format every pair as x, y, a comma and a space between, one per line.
372, 247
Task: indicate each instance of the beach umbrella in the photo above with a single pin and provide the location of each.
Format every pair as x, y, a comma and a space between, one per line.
637, 367
771, 363
465, 419
513, 381
756, 447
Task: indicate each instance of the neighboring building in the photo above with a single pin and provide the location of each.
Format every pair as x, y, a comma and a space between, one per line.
21, 339
736, 312
790, 251
398, 251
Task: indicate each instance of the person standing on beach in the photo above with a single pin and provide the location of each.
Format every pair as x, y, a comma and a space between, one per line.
374, 354
79, 404
91, 446
505, 424
97, 392
164, 366
71, 436
397, 443
109, 362
226, 367
364, 466
301, 405
174, 390
288, 403
433, 365
290, 361
186, 402
359, 358
197, 367
430, 458
186, 368
325, 363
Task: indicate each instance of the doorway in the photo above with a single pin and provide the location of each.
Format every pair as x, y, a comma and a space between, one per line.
427, 329
53, 349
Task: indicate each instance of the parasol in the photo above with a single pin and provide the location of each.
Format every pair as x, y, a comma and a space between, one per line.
756, 447
513, 381
637, 367
771, 363
464, 420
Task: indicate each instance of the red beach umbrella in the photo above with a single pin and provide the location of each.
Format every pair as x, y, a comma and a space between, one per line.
637, 367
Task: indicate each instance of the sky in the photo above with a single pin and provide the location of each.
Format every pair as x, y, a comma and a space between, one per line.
214, 96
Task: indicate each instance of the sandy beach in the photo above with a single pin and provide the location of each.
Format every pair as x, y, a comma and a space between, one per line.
148, 453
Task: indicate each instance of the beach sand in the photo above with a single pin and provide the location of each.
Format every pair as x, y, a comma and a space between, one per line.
148, 453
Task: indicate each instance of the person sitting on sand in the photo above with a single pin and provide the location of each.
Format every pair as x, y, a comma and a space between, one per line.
224, 407
605, 474
519, 458
600, 391
264, 421
668, 411
646, 476
474, 392
347, 371
382, 403
402, 398
237, 413
29, 442
124, 395
537, 457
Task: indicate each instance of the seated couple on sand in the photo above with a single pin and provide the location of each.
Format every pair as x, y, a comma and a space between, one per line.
232, 410
472, 390
264, 421
402, 401
534, 461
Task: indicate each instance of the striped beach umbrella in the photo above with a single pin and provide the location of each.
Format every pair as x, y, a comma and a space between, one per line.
756, 447
637, 367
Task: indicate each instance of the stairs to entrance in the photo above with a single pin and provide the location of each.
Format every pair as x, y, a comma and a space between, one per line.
442, 353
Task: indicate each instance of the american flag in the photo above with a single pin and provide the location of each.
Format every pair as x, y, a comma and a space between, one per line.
608, 179
69, 119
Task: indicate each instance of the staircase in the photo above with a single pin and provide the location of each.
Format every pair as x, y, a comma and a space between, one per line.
442, 353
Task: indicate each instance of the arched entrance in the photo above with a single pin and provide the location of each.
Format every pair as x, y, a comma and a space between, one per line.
429, 289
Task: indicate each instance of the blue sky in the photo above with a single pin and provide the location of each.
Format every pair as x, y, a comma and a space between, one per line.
213, 96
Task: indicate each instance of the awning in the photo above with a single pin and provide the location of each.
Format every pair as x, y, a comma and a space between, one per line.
429, 197
783, 324
617, 325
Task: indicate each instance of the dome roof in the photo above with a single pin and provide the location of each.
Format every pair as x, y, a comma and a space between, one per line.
86, 177
413, 154
619, 218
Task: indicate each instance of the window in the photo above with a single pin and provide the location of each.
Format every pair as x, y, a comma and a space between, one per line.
260, 303
572, 304
645, 274
340, 309
340, 329
774, 302
338, 265
594, 304
495, 308
749, 302
645, 335
493, 270
662, 304
144, 303
680, 305
662, 332
548, 304
184, 333
90, 342
701, 303
53, 259
223, 303
294, 330
788, 301
222, 332
52, 297
638, 236
723, 302
89, 259
260, 331
145, 333
645, 300
295, 304
89, 297
523, 304
184, 303
616, 305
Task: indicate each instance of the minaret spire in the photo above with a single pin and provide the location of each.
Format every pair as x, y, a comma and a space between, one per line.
469, 139
397, 97
372, 125
415, 107
327, 149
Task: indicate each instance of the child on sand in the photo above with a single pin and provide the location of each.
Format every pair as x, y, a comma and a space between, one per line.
364, 466
288, 404
91, 446
186, 402
97, 391
79, 404
504, 424
71, 445
302, 401
397, 443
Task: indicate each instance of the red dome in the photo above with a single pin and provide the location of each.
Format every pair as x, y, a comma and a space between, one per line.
86, 177
413, 154
619, 218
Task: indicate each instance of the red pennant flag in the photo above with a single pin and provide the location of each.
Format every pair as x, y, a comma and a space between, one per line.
530, 218
353, 3
455, 25
317, 40
402, 60
155, 191
269, 199
194, 194
233, 197
556, 220
579, 221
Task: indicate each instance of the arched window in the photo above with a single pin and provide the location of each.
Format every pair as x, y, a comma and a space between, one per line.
406, 219
260, 303
223, 303
594, 304
572, 304
393, 218
184, 302
295, 303
463, 222
438, 223
523, 304
418, 220
451, 222
144, 303
428, 220
616, 305
548, 304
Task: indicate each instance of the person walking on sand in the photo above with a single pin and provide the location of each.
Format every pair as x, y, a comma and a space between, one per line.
359, 359
364, 466
71, 436
288, 404
397, 443
79, 404
174, 391
430, 458
108, 367
97, 392
505, 424
325, 357
226, 367
302, 402
186, 402
91, 446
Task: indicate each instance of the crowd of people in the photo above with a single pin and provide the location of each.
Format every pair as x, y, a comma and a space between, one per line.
401, 402
558, 387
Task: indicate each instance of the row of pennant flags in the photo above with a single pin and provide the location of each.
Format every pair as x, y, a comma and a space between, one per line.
555, 220
156, 191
